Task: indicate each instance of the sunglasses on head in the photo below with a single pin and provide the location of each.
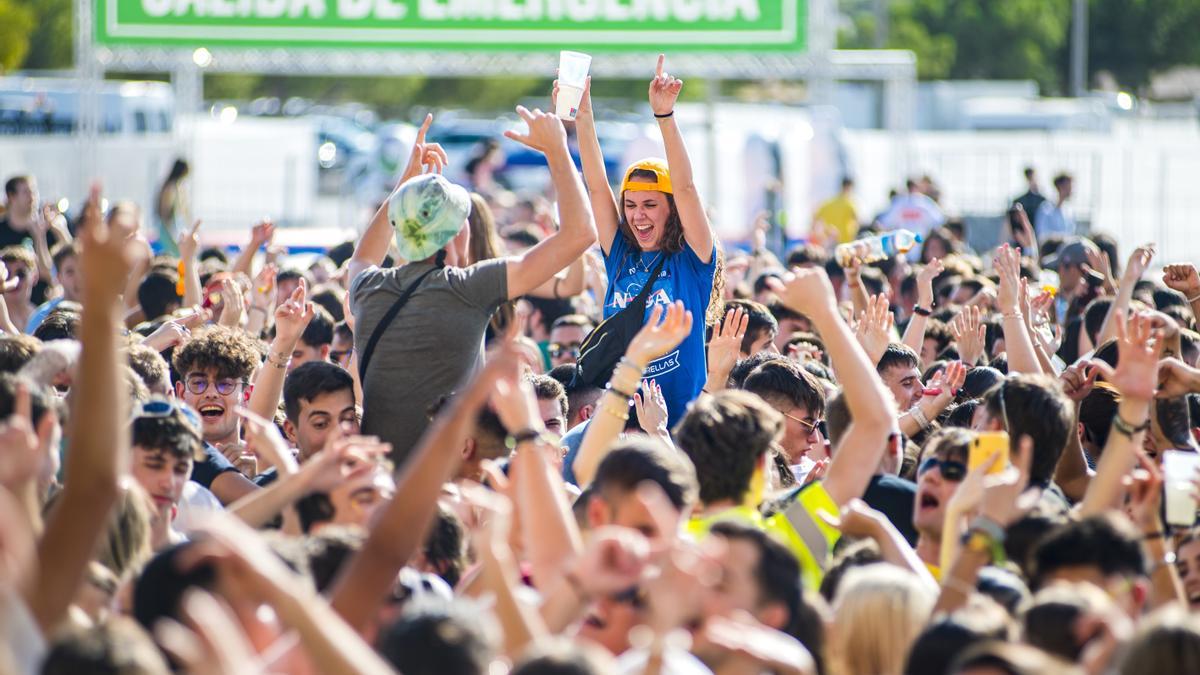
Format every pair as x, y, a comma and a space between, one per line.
556, 350
951, 470
158, 407
631, 596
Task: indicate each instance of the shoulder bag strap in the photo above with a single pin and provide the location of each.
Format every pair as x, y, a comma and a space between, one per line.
365, 357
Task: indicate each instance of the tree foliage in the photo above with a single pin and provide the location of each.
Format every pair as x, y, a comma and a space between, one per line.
16, 22
1133, 39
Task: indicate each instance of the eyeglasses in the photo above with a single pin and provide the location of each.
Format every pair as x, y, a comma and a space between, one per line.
809, 427
572, 350
951, 470
337, 355
198, 384
162, 407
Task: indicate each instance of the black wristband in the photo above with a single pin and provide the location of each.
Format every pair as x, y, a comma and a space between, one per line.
919, 310
1126, 429
664, 115
511, 442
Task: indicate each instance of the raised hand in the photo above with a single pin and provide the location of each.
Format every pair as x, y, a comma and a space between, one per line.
613, 561
189, 242
806, 291
1078, 380
1139, 262
194, 317
169, 334
726, 342
293, 316
341, 461
546, 132
874, 329
22, 458
1023, 234
1182, 278
262, 290
8, 284
664, 89
585, 103
263, 232
425, 157
1008, 265
656, 338
945, 385
264, 441
1139, 346
970, 335
106, 257
515, 403
1099, 261
233, 304
651, 408
925, 282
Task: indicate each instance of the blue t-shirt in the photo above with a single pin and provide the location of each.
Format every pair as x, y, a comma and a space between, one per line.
681, 373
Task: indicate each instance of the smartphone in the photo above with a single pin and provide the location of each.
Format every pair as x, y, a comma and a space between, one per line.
1179, 471
986, 444
1014, 217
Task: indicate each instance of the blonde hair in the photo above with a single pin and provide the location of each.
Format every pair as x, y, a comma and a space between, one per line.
879, 611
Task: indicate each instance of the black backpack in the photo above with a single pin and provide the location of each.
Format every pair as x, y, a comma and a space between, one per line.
606, 344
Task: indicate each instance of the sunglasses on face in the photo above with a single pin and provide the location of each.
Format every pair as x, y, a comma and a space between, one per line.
809, 427
951, 470
198, 385
556, 350
337, 356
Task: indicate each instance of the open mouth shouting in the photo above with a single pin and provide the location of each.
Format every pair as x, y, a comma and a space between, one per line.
644, 233
211, 412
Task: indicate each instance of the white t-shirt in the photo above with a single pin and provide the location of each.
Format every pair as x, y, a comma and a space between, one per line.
195, 502
25, 641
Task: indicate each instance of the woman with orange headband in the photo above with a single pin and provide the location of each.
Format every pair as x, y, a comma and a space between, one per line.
659, 218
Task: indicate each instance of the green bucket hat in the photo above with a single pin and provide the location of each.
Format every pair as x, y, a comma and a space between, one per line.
427, 212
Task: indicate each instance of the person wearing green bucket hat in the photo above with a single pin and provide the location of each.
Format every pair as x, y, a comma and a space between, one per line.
419, 326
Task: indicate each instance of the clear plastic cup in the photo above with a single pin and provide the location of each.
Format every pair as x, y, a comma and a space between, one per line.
572, 78
1179, 470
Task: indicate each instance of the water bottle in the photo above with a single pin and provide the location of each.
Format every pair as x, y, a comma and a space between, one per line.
876, 248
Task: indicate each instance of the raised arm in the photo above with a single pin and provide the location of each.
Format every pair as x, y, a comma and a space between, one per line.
1139, 346
1021, 355
291, 318
99, 438
577, 228
401, 528
189, 265
600, 194
1139, 260
373, 246
1186, 280
551, 534
664, 90
872, 410
262, 233
651, 342
914, 334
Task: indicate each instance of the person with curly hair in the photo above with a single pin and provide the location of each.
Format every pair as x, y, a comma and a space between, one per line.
213, 370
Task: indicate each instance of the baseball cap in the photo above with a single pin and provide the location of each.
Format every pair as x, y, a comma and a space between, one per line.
1073, 251
654, 165
427, 211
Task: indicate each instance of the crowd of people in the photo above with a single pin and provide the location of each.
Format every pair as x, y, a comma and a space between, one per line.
447, 448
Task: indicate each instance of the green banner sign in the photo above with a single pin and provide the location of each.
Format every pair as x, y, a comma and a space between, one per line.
497, 25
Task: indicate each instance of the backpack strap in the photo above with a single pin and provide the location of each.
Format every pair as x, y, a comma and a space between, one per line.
369, 350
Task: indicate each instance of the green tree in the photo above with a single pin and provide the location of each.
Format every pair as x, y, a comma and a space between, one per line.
1132, 39
16, 21
52, 41
966, 39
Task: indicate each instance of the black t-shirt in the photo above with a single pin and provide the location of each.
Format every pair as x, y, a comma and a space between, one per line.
894, 497
1030, 201
214, 465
